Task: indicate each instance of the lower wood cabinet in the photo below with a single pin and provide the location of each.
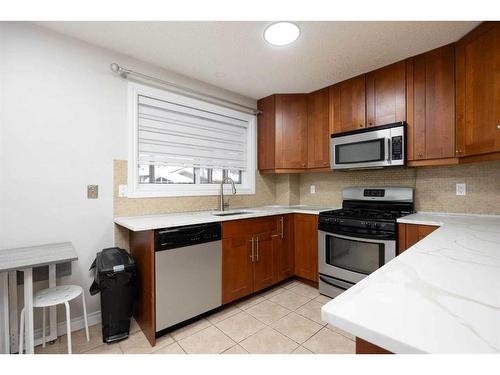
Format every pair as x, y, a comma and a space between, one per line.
306, 246
283, 248
410, 234
247, 256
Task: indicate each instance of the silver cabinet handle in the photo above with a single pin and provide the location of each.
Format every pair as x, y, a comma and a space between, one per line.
282, 234
257, 249
251, 255
498, 127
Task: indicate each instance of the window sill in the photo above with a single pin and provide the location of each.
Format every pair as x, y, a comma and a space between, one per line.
187, 193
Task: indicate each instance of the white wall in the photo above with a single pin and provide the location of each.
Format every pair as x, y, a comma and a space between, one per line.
62, 122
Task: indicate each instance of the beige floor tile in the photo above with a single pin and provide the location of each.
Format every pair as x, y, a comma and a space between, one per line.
290, 300
237, 349
134, 327
312, 310
249, 302
224, 314
290, 284
268, 341
56, 348
305, 290
350, 336
240, 326
170, 349
322, 299
139, 344
188, 330
106, 349
272, 292
208, 341
328, 342
302, 350
297, 327
268, 312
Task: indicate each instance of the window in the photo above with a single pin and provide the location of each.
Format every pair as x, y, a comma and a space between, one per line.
182, 146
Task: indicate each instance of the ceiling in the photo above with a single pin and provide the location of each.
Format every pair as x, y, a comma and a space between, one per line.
234, 55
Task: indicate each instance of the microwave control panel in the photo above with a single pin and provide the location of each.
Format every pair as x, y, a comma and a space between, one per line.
397, 148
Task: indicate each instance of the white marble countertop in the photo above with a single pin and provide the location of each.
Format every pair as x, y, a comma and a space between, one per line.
148, 222
440, 296
35, 256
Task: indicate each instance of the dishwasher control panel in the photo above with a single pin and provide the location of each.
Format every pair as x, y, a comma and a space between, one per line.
170, 238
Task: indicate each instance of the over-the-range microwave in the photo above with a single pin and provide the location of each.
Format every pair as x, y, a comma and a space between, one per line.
374, 147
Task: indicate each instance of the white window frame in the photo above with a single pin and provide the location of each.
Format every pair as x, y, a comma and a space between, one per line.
136, 190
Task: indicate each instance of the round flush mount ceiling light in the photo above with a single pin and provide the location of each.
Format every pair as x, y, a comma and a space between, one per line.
281, 33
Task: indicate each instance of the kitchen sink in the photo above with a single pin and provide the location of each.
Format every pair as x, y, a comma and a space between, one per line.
228, 213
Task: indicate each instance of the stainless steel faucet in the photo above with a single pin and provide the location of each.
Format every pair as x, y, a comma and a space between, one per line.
224, 180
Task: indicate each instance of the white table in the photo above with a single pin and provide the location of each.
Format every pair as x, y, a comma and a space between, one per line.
25, 259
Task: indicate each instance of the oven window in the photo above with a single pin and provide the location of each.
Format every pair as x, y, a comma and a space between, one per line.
372, 150
355, 256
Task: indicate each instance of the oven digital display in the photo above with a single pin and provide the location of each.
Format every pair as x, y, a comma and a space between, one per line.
352, 255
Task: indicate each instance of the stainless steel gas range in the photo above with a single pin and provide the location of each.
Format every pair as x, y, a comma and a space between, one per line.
361, 237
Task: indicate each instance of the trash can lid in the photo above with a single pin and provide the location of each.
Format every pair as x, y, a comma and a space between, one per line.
114, 259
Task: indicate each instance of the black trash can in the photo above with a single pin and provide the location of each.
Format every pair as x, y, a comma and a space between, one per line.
115, 279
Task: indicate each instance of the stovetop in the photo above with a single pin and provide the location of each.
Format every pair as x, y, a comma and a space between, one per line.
363, 214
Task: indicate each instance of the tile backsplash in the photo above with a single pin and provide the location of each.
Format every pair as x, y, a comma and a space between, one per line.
434, 191
434, 186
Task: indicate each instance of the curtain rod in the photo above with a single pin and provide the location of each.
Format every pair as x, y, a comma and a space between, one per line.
124, 73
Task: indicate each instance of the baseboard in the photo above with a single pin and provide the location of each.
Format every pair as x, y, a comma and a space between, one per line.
76, 324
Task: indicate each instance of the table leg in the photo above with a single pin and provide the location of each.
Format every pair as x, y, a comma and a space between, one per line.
53, 311
14, 322
4, 312
28, 309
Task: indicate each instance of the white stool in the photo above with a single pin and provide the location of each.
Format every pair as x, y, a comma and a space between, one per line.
51, 297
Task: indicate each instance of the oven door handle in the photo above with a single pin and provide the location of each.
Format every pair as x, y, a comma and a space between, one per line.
389, 153
360, 239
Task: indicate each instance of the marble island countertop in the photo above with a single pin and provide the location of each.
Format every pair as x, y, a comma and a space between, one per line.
442, 295
148, 222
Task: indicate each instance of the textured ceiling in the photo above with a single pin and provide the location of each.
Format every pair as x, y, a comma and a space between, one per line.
234, 56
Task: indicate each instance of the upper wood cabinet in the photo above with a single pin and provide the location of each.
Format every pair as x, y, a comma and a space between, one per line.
386, 95
306, 246
347, 105
431, 105
282, 132
478, 91
318, 129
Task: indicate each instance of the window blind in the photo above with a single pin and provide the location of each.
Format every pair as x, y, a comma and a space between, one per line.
179, 135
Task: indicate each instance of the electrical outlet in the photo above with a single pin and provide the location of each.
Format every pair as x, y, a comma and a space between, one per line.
460, 189
122, 191
92, 191
313, 189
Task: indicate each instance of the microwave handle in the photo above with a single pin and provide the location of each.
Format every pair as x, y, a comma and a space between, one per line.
389, 153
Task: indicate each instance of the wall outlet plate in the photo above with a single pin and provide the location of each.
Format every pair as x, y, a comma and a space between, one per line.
313, 189
461, 189
122, 191
92, 191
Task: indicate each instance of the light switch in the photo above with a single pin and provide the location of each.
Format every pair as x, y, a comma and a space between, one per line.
460, 189
122, 191
313, 189
92, 191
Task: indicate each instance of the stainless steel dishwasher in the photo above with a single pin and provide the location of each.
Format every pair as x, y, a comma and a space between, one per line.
188, 273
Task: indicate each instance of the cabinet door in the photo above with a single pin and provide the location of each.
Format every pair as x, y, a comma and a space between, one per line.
266, 133
291, 131
283, 248
263, 261
306, 246
237, 265
431, 90
478, 91
347, 105
386, 95
318, 129
410, 234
